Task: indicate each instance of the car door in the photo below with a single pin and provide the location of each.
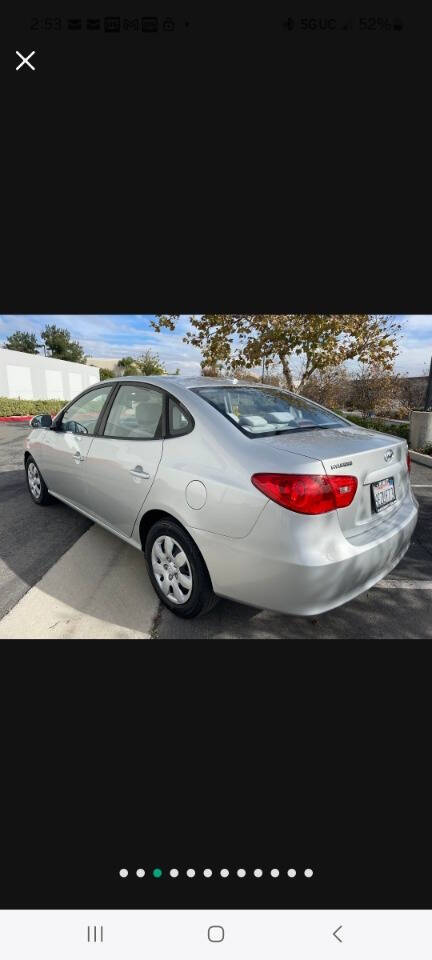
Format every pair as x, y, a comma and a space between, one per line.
65, 447
124, 457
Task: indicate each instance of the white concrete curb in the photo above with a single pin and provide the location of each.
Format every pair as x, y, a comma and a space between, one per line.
423, 458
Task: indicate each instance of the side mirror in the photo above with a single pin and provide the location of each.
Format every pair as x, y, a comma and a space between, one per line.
41, 420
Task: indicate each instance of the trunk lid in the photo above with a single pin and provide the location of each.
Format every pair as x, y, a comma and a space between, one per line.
353, 451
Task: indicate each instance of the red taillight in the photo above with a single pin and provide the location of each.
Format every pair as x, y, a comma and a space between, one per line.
306, 492
408, 462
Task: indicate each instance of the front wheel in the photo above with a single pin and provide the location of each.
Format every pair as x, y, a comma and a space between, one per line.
37, 487
177, 570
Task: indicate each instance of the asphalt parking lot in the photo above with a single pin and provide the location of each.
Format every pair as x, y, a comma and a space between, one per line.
65, 578
29, 544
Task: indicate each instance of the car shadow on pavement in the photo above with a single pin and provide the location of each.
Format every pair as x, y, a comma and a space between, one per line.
87, 579
32, 538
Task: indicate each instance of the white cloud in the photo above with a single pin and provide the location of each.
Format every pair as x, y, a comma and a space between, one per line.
417, 322
414, 361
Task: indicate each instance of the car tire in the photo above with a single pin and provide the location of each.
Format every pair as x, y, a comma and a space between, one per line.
165, 541
37, 487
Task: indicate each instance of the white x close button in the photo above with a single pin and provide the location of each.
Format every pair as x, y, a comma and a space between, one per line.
25, 60
216, 934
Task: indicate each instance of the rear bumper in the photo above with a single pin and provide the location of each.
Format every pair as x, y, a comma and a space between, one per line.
304, 565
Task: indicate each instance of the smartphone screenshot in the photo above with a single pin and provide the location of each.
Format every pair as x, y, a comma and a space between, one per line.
215, 483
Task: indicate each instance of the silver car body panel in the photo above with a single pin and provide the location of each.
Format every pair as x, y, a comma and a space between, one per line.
306, 567
256, 551
115, 465
60, 457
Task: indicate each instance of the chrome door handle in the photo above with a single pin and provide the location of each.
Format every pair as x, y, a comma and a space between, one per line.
78, 458
139, 472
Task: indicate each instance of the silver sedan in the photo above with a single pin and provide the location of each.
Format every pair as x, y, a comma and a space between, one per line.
230, 490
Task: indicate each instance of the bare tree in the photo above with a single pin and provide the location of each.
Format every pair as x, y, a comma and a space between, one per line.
332, 388
375, 390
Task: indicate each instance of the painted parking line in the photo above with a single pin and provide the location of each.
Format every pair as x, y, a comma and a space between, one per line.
405, 584
417, 485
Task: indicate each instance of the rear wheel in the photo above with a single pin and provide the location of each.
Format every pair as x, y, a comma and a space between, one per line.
37, 486
177, 570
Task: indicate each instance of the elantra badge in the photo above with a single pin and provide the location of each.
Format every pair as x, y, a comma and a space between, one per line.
388, 455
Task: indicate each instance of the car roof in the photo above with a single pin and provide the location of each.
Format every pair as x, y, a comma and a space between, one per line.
187, 382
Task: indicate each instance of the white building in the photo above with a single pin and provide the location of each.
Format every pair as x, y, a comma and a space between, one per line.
33, 377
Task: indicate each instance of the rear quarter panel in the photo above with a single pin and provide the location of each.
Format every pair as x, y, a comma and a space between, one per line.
219, 457
230, 506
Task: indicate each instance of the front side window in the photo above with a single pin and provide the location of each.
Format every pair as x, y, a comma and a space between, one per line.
82, 416
136, 414
258, 411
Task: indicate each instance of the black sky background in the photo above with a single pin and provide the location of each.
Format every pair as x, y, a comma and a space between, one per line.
229, 165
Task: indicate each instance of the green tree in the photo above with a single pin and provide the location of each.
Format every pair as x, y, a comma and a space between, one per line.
211, 369
322, 340
150, 364
60, 344
25, 342
105, 373
128, 366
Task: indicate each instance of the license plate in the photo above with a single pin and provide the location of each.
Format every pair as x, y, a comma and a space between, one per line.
383, 492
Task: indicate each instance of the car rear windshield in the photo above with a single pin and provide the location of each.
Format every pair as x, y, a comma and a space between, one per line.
259, 411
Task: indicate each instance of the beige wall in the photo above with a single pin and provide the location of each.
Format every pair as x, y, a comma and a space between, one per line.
109, 362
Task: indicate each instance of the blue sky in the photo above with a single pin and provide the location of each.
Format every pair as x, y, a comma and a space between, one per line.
130, 334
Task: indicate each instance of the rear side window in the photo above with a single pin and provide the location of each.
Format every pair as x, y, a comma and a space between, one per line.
258, 411
136, 414
179, 419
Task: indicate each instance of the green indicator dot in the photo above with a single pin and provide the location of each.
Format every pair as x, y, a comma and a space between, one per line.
157, 872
